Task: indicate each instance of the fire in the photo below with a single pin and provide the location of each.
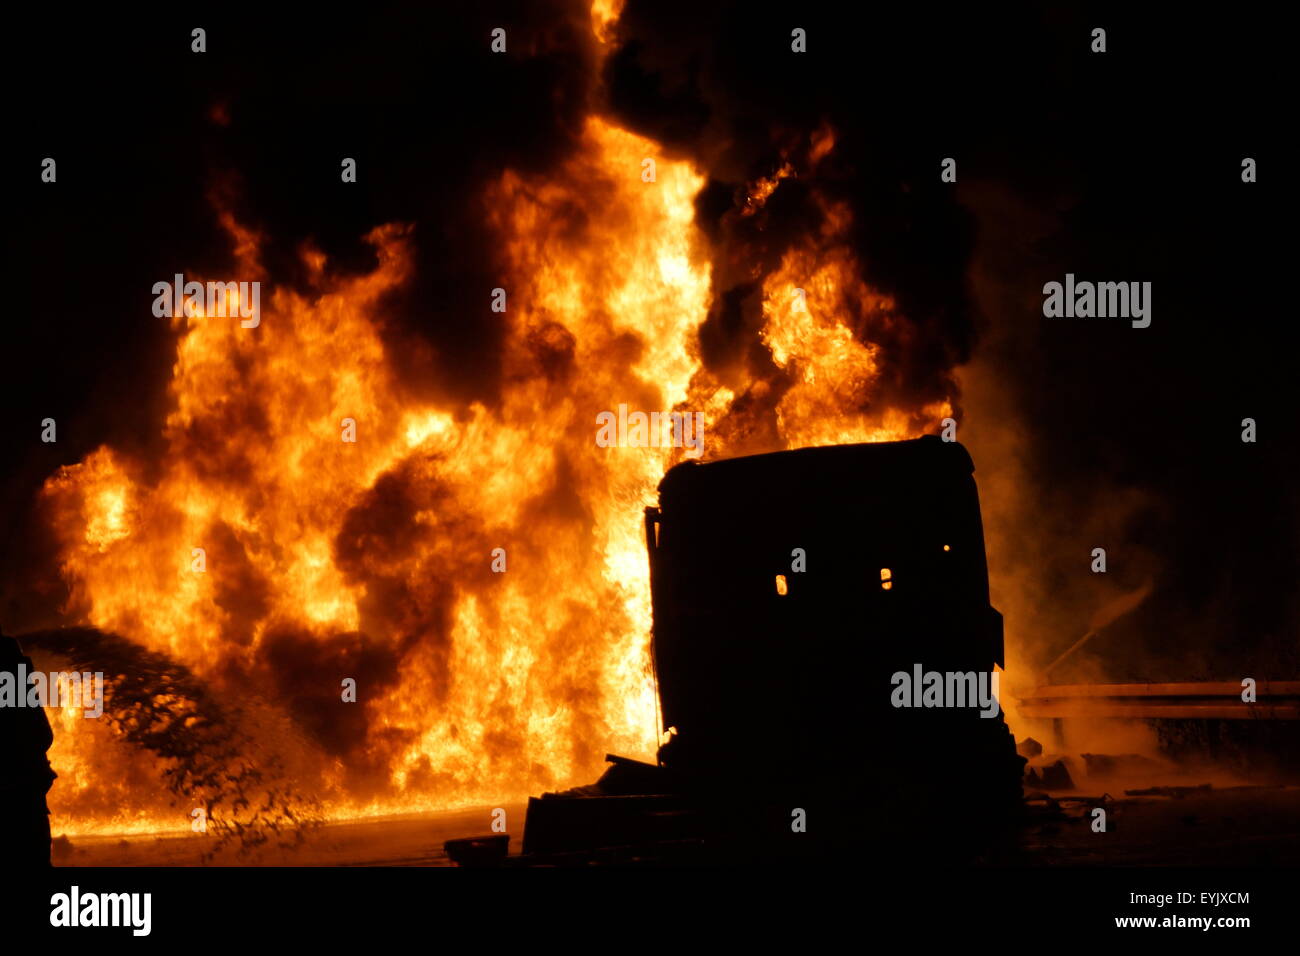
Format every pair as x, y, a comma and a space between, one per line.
822, 322
604, 18
276, 559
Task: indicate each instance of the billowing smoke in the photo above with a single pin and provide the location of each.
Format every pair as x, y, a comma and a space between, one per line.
1084, 435
733, 96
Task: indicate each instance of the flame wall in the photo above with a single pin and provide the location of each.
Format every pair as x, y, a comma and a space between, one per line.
327, 559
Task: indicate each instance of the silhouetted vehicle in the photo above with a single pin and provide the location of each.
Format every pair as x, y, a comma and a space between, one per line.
788, 590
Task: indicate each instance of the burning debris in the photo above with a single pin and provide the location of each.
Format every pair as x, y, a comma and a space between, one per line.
1053, 774
1029, 747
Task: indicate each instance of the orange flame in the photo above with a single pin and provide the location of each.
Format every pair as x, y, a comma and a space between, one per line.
508, 682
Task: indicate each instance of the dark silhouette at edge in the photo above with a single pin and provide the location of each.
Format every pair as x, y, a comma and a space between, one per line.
25, 771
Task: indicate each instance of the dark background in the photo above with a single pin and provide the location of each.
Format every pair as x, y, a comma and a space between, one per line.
1129, 162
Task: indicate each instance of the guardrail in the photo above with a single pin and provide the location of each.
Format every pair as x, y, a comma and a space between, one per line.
1209, 700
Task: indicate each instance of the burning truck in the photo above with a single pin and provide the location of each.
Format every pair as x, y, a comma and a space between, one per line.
787, 588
